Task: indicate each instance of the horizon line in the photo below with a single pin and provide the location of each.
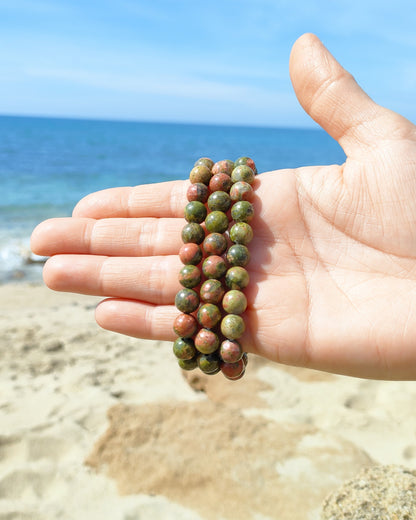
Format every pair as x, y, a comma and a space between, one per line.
105, 119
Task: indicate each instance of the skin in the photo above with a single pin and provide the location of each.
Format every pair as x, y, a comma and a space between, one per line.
333, 259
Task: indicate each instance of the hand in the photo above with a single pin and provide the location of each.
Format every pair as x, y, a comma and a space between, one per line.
333, 261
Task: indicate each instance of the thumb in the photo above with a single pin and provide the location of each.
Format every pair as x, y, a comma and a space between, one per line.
331, 96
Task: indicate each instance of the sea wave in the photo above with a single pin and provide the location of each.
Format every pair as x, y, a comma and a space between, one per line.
18, 262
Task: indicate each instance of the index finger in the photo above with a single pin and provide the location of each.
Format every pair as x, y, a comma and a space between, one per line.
165, 199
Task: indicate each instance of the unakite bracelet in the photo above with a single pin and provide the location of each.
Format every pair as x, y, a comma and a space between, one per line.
214, 275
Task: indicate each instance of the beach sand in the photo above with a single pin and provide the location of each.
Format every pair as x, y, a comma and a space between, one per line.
95, 425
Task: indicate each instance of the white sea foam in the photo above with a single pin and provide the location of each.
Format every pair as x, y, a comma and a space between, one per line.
17, 261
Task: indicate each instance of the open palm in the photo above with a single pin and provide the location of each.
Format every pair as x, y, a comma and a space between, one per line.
333, 261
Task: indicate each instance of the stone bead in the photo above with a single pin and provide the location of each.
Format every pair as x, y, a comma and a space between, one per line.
185, 325
206, 161
225, 166
188, 364
212, 291
219, 201
190, 254
189, 276
242, 173
241, 191
214, 244
206, 341
214, 267
233, 370
237, 278
239, 255
195, 211
246, 160
232, 326
193, 232
184, 348
209, 363
220, 182
241, 233
245, 358
214, 371
209, 315
234, 302
200, 173
236, 378
197, 191
231, 351
187, 300
242, 211
216, 222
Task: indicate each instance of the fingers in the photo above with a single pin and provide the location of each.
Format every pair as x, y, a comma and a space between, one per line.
150, 279
109, 237
165, 199
144, 321
331, 96
137, 319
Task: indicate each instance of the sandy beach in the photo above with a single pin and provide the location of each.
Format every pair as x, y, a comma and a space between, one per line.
95, 425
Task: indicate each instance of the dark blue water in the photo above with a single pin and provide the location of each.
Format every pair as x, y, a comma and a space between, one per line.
47, 165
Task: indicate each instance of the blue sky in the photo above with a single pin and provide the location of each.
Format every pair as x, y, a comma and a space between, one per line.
221, 61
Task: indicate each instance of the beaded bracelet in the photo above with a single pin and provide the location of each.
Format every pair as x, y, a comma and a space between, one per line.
214, 275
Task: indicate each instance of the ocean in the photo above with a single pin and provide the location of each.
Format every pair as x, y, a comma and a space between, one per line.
48, 164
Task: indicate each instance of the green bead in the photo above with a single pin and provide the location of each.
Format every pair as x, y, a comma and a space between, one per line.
246, 161
214, 267
241, 233
216, 222
200, 173
243, 173
195, 211
209, 363
237, 278
193, 232
209, 315
214, 244
214, 371
184, 348
187, 300
188, 364
219, 201
189, 276
234, 302
206, 161
242, 211
232, 326
238, 255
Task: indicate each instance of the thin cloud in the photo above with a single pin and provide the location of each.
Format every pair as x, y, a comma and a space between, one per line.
38, 7
230, 55
170, 86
